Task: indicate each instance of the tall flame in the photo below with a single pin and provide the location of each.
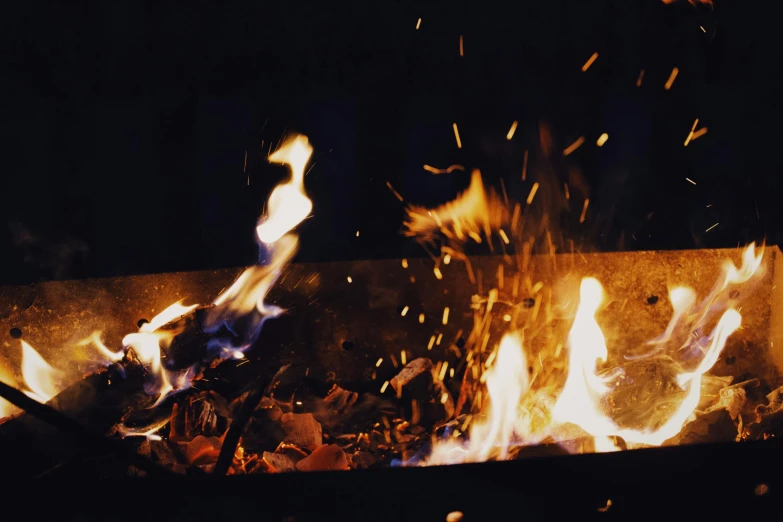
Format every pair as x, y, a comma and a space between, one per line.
288, 206
581, 401
507, 384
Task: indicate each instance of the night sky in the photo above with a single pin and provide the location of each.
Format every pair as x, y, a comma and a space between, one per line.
125, 125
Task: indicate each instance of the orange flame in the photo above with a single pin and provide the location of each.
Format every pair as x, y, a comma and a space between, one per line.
288, 205
581, 400
42, 381
507, 384
6, 408
472, 213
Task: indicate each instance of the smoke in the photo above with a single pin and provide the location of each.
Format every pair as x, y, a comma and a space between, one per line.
54, 257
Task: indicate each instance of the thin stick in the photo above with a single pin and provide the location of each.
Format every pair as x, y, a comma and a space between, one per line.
81, 434
231, 441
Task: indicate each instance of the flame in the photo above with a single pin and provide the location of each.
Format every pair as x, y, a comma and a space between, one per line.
6, 408
507, 384
472, 213
288, 205
581, 401
147, 344
42, 381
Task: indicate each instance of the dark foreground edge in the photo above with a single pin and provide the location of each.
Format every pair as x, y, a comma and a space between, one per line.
737, 482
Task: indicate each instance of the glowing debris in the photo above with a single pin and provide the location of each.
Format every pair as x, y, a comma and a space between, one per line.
512, 130
575, 145
671, 79
589, 62
507, 318
602, 139
584, 210
532, 193
448, 170
699, 133
396, 194
456, 135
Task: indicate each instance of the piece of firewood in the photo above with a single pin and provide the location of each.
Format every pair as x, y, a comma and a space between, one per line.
302, 430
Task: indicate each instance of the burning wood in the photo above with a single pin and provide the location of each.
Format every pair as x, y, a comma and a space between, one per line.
543, 370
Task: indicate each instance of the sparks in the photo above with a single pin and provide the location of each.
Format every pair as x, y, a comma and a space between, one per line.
689, 180
448, 170
589, 62
575, 145
447, 259
532, 194
437, 272
405, 311
690, 134
671, 79
512, 130
396, 194
456, 135
699, 133
405, 263
524, 167
584, 210
379, 362
384, 386
446, 315
713, 226
350, 279
602, 139
640, 78
418, 24
503, 236
461, 46
421, 318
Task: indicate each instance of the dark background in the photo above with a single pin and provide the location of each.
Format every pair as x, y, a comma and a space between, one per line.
124, 125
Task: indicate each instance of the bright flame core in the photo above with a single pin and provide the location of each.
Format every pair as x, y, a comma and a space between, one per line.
288, 205
42, 381
583, 400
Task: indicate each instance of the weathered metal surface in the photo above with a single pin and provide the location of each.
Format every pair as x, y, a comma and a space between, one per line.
345, 327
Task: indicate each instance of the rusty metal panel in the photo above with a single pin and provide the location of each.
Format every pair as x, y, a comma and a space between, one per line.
346, 326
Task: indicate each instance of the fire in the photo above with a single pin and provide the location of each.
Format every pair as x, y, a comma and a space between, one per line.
580, 400
473, 212
42, 381
507, 383
6, 408
288, 205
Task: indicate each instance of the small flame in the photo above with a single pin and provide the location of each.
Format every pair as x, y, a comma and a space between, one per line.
42, 381
472, 213
288, 205
6, 408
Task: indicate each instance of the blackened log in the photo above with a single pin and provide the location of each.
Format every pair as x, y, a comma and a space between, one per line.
712, 427
77, 434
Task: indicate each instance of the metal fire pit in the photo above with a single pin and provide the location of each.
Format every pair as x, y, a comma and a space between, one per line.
342, 317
